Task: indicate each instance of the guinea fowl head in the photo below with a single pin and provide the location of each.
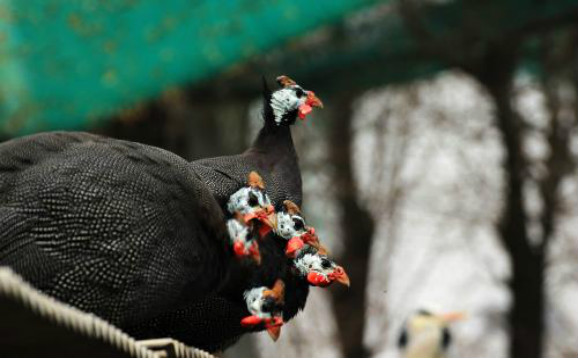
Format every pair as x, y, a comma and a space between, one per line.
266, 308
290, 102
318, 269
273, 148
292, 227
290, 223
252, 204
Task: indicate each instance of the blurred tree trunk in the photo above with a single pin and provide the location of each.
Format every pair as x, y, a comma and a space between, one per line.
526, 316
186, 124
357, 227
527, 283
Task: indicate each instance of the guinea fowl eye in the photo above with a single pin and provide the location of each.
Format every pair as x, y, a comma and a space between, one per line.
253, 200
268, 305
325, 263
299, 92
298, 223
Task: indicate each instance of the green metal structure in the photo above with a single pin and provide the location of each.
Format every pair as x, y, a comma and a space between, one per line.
68, 64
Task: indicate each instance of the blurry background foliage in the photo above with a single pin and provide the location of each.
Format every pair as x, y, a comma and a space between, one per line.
442, 173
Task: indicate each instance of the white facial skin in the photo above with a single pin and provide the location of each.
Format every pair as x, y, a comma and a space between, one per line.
254, 301
238, 231
241, 201
286, 100
286, 225
314, 263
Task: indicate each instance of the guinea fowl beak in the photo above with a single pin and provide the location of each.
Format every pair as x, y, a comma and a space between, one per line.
452, 316
313, 100
340, 276
310, 102
274, 327
274, 332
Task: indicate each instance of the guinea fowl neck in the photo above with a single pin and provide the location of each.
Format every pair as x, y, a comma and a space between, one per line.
275, 141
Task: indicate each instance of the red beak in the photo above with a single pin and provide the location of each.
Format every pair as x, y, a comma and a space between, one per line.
340, 276
293, 245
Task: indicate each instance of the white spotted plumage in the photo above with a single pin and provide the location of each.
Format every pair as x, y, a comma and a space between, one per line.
284, 101
313, 262
239, 201
238, 232
286, 225
254, 301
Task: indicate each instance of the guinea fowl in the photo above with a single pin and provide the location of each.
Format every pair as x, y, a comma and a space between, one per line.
138, 236
272, 154
265, 306
427, 335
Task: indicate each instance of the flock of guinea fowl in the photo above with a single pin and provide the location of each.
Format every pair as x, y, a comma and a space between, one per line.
254, 227
252, 218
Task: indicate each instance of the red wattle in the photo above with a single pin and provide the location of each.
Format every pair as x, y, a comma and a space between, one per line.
251, 321
317, 279
304, 110
239, 248
293, 246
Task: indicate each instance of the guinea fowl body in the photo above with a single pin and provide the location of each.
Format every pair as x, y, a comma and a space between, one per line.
137, 235
120, 229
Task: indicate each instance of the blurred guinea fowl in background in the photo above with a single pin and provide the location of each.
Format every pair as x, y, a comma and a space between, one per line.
427, 335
